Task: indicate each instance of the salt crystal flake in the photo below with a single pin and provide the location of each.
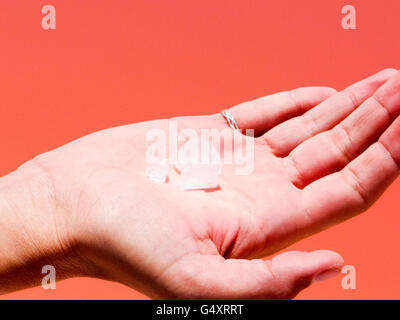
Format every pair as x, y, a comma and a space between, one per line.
158, 171
199, 164
200, 177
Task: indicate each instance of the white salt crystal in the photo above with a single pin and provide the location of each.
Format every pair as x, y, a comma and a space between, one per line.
158, 171
200, 177
199, 164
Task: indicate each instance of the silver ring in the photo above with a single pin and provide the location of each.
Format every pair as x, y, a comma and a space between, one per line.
229, 118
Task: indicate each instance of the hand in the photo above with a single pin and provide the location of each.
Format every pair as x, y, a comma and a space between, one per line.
320, 158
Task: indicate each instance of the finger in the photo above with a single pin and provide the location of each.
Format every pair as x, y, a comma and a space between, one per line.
331, 150
352, 190
213, 277
286, 136
266, 112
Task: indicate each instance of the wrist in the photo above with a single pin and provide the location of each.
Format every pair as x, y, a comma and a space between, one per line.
32, 233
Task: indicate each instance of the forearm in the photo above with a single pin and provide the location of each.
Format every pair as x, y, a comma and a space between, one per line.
29, 238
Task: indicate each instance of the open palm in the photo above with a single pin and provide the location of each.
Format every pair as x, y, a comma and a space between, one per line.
320, 157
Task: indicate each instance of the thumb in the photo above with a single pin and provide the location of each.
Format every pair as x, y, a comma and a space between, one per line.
283, 277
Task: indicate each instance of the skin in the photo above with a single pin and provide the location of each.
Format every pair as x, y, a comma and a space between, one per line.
88, 208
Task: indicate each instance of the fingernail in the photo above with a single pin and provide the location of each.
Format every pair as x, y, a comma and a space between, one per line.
327, 274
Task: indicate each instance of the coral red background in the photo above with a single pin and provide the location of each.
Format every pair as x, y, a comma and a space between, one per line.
113, 62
